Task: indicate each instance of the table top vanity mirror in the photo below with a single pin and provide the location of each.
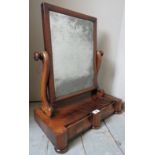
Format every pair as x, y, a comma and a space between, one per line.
71, 101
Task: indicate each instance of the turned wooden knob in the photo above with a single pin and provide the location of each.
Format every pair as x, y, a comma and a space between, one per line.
37, 56
101, 52
100, 93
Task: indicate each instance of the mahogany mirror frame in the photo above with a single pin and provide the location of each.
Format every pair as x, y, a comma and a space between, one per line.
46, 8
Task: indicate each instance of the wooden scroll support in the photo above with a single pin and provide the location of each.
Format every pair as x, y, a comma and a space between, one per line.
99, 59
100, 93
43, 56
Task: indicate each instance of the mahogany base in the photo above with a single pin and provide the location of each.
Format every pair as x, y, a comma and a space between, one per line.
73, 119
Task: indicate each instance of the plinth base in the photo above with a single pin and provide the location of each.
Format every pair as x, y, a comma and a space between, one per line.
72, 119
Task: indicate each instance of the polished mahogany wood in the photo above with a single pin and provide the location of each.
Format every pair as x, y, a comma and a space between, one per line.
64, 118
43, 56
75, 118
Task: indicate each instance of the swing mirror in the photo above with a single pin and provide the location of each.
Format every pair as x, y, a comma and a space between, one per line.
70, 40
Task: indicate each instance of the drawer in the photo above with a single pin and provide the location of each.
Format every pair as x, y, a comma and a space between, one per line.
108, 110
78, 127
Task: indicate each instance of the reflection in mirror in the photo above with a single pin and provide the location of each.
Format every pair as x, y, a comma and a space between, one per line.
72, 50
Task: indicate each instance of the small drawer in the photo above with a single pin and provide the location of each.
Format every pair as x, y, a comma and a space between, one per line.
78, 127
107, 111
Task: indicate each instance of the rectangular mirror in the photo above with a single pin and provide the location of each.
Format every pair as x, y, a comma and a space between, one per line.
71, 43
72, 49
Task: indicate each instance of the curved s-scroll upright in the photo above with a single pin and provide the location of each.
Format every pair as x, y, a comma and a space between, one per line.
43, 56
100, 93
99, 59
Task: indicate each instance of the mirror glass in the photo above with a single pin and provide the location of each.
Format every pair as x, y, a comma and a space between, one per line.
72, 51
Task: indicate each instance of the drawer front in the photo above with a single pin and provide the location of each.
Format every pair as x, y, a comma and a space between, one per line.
78, 127
105, 112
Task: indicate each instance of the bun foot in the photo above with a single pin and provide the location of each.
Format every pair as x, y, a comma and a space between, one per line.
118, 107
61, 150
